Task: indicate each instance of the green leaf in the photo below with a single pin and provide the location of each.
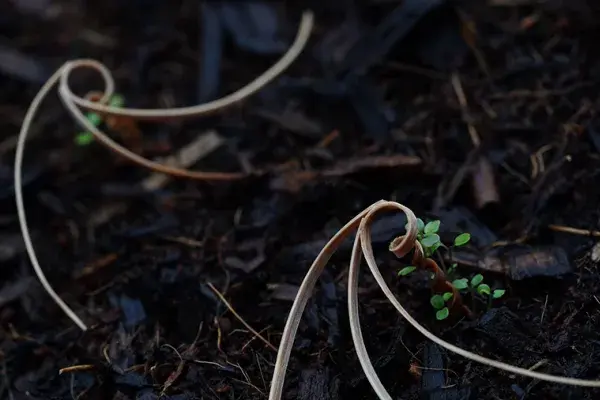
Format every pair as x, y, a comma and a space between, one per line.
484, 289
420, 226
432, 227
437, 301
406, 270
430, 240
447, 296
461, 283
116, 101
94, 118
498, 293
462, 239
476, 280
442, 314
84, 138
429, 251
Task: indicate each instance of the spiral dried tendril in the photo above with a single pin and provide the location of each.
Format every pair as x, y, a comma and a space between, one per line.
75, 104
363, 248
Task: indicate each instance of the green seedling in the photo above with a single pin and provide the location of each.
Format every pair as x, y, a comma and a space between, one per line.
477, 286
407, 270
461, 284
484, 289
462, 239
85, 138
427, 235
452, 268
476, 280
438, 302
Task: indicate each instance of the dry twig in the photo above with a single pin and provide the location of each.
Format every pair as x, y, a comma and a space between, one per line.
239, 318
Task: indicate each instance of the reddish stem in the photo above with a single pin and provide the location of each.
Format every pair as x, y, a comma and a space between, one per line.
440, 284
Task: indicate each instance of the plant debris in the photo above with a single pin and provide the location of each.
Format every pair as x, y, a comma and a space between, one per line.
482, 115
519, 262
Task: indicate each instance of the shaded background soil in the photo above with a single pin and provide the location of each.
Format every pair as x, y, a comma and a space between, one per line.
371, 110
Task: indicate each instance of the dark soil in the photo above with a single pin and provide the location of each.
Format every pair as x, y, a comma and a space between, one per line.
375, 80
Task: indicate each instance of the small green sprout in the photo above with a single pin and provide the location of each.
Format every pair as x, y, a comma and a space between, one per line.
462, 239
452, 268
116, 101
430, 240
438, 302
484, 289
476, 280
407, 270
432, 227
442, 314
85, 138
428, 237
461, 284
420, 227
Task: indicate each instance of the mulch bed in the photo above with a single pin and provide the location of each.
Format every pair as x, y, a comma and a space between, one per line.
480, 114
